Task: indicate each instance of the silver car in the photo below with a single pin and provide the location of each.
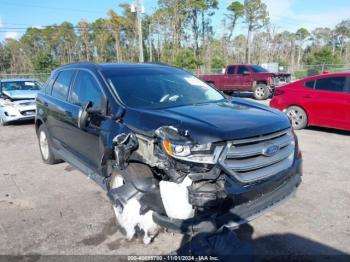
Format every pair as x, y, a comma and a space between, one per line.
17, 100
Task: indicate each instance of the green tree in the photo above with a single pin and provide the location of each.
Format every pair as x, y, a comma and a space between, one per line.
342, 32
195, 6
103, 40
236, 11
85, 40
256, 17
44, 63
302, 34
186, 59
116, 22
63, 42
208, 6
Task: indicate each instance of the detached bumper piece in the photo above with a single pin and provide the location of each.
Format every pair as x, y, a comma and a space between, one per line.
235, 216
146, 190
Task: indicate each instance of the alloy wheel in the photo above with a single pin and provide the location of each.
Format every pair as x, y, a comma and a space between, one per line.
297, 117
44, 145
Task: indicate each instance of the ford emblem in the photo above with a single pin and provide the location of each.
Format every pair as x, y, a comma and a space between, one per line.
271, 150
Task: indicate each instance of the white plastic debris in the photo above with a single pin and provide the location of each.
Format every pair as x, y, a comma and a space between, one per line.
175, 199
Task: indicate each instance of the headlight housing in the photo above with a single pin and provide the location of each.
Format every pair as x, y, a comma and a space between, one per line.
204, 154
177, 144
11, 111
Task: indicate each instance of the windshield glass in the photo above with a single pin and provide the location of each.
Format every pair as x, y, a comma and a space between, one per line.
156, 88
20, 85
258, 69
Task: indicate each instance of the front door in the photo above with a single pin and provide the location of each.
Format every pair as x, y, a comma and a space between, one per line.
329, 102
86, 142
231, 79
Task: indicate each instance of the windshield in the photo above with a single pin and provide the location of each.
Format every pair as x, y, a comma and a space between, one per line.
258, 69
20, 85
156, 88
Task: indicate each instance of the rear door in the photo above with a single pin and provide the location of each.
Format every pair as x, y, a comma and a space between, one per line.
56, 104
231, 81
329, 102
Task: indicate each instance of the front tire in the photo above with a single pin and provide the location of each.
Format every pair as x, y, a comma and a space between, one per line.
45, 147
261, 92
297, 116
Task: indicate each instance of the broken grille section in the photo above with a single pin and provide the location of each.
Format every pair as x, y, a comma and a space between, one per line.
247, 160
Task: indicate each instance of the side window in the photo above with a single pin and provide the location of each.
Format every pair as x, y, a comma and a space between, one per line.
61, 86
48, 85
231, 70
241, 70
336, 84
86, 89
310, 84
348, 85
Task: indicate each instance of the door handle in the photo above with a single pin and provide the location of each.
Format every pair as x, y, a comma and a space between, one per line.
46, 104
68, 113
307, 96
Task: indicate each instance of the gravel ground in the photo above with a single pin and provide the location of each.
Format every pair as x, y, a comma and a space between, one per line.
56, 210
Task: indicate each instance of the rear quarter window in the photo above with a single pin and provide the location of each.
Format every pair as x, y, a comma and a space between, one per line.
61, 86
231, 70
310, 84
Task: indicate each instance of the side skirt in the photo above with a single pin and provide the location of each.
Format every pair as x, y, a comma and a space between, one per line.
74, 161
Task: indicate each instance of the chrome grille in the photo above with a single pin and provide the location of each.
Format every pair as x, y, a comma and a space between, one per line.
247, 161
28, 112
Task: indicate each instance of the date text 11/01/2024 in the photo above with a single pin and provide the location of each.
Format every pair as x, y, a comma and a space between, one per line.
172, 258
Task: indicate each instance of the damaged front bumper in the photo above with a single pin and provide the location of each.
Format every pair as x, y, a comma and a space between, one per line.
17, 111
222, 185
242, 204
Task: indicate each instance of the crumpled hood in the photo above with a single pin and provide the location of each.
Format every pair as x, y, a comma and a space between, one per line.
21, 94
211, 122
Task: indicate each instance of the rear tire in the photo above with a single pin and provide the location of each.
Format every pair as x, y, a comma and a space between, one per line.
261, 92
45, 147
297, 116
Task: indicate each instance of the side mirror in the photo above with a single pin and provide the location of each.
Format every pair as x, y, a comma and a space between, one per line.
246, 73
84, 114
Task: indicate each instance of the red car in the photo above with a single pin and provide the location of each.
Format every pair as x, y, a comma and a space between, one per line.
237, 78
322, 100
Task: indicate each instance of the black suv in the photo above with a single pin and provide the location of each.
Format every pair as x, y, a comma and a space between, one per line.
192, 158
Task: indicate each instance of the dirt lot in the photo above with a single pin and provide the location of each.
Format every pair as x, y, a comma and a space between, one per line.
57, 210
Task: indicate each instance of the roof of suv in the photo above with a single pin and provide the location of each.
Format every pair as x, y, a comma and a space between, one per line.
114, 65
17, 80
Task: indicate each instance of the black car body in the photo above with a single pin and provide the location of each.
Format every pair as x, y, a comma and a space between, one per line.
242, 158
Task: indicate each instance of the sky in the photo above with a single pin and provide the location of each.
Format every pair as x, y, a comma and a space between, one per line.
284, 14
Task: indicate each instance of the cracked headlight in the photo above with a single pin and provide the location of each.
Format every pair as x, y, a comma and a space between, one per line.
204, 154
11, 111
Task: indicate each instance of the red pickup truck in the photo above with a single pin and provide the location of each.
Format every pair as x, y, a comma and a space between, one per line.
247, 78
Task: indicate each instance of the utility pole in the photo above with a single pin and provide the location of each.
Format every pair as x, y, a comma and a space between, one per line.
138, 8
150, 41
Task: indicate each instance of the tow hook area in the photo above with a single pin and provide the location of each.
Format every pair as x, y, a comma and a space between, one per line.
134, 200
